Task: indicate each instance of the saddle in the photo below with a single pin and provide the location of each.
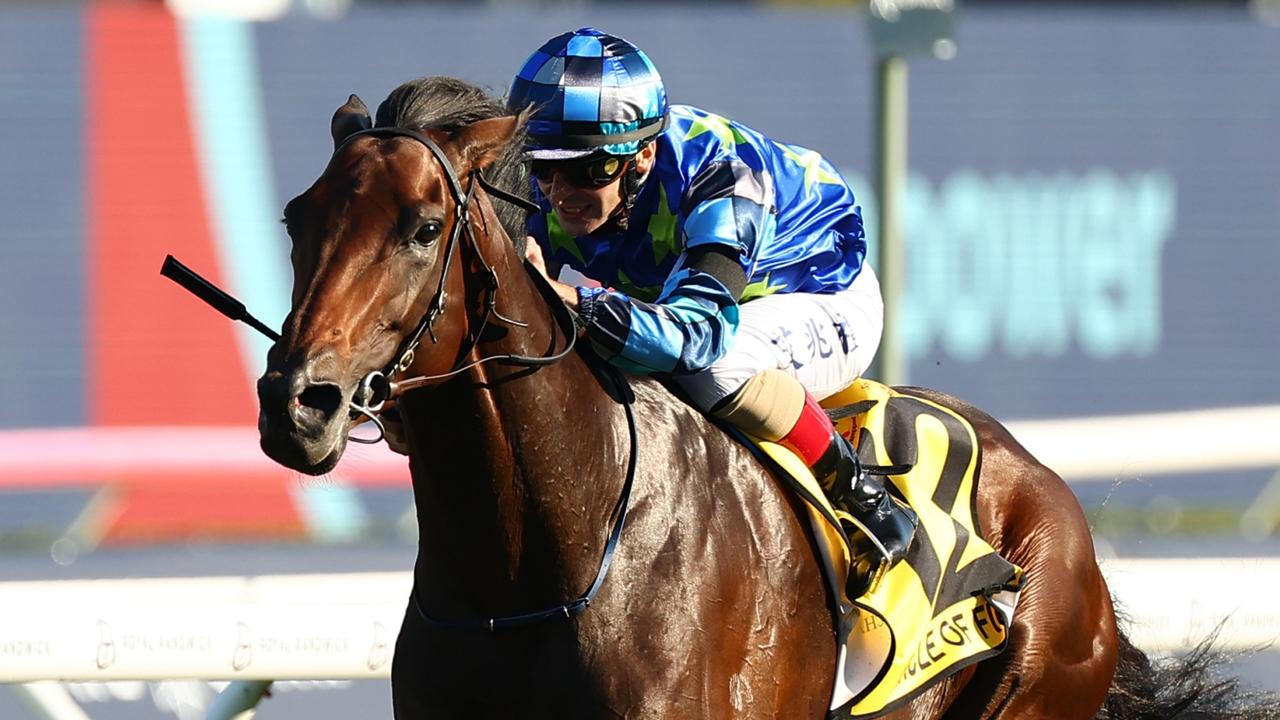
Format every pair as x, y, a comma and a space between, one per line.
949, 603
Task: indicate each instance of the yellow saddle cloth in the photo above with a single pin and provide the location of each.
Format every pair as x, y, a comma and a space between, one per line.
950, 602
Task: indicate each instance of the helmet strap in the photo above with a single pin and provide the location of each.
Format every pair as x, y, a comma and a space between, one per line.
630, 186
632, 180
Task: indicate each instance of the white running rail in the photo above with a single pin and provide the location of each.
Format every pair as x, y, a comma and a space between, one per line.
253, 630
1126, 446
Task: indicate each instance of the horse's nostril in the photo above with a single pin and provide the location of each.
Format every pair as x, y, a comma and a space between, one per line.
320, 400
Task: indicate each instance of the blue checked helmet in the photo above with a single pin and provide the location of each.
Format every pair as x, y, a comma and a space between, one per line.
591, 92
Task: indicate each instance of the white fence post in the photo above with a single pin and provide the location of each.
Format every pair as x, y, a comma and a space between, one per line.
47, 700
238, 700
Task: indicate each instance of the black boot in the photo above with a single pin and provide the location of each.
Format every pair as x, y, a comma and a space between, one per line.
887, 522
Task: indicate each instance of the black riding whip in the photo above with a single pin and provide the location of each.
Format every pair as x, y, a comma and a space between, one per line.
234, 309
213, 295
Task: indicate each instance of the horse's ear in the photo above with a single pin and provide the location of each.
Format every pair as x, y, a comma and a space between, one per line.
350, 118
482, 142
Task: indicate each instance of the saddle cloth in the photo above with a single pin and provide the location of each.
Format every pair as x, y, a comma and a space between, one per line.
950, 602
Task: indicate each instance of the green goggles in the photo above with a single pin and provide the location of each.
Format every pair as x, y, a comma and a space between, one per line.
592, 172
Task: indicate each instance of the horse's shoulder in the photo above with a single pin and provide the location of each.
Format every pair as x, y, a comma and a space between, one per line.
664, 404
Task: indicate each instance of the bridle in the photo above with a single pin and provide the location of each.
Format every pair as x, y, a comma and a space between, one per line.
378, 387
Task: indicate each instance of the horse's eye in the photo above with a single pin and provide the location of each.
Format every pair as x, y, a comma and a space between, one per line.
429, 231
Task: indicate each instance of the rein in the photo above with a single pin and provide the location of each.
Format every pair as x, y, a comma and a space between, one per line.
377, 387
572, 608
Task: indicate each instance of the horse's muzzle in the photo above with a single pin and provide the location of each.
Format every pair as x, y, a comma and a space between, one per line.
301, 420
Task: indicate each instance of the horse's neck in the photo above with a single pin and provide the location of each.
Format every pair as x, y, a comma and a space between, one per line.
515, 469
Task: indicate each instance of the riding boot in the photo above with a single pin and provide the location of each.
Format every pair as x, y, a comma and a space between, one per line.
887, 522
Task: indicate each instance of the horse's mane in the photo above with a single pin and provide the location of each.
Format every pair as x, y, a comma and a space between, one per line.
446, 103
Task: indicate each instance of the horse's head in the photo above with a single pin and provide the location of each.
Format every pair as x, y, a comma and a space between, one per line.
372, 241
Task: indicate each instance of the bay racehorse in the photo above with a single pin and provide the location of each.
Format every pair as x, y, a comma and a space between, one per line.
531, 597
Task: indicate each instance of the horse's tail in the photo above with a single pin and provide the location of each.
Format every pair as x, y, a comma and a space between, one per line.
1189, 687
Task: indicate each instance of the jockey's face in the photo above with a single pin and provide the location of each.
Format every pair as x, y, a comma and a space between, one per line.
585, 197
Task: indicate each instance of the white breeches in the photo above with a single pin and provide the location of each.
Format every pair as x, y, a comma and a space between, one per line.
825, 341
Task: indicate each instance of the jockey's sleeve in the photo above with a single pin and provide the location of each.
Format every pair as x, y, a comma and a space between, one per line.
685, 330
728, 214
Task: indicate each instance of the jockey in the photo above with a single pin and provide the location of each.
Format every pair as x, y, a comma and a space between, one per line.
730, 262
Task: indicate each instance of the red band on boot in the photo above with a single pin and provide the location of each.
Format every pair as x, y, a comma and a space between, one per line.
812, 433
